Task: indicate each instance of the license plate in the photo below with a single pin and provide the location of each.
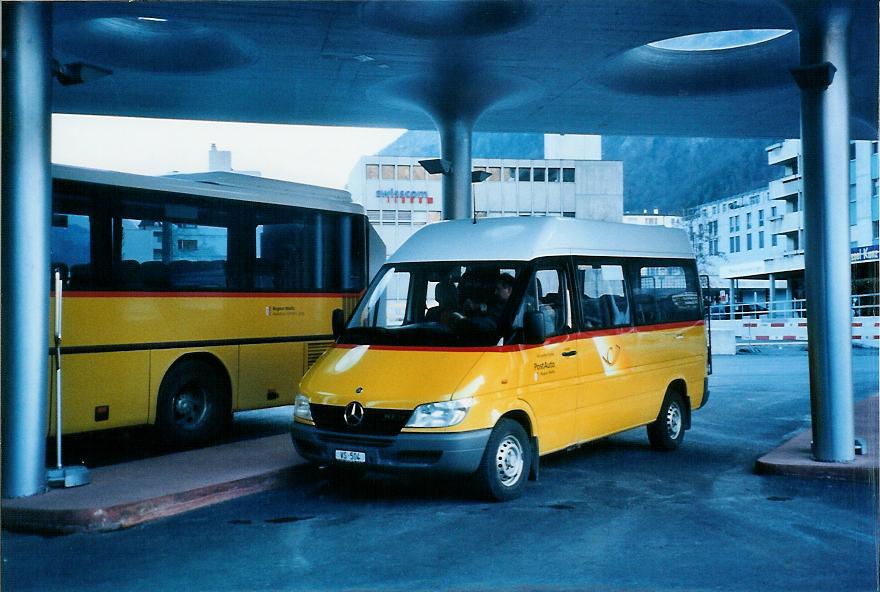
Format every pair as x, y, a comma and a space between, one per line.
351, 456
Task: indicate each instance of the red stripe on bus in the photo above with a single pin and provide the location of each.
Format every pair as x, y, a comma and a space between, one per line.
856, 324
789, 338
777, 324
520, 347
802, 324
857, 336
762, 337
206, 295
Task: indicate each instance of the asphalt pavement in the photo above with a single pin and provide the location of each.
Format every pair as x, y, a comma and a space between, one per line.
611, 515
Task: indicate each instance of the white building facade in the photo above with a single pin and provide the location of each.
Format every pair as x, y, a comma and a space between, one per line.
758, 236
400, 196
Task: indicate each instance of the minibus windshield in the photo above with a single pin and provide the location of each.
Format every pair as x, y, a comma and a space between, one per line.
459, 304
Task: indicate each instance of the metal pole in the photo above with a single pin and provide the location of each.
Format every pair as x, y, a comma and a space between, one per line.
824, 83
26, 219
732, 304
58, 317
455, 146
771, 306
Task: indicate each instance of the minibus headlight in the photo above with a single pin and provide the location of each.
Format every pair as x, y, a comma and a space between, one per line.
440, 415
301, 409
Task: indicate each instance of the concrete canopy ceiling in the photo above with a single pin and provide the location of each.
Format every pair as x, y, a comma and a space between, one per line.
507, 66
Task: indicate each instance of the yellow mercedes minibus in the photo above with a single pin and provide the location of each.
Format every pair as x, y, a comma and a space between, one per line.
480, 347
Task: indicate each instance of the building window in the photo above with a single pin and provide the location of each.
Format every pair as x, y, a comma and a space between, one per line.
748, 221
187, 244
731, 246
525, 174
418, 173
774, 240
773, 212
731, 224
568, 175
539, 175
852, 150
387, 171
403, 171
761, 239
568, 214
749, 242
553, 175
494, 173
510, 173
760, 218
372, 171
853, 213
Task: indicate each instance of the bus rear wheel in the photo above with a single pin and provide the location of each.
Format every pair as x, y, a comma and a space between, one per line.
506, 462
667, 431
193, 405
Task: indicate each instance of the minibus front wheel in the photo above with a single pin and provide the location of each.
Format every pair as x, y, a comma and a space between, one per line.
504, 469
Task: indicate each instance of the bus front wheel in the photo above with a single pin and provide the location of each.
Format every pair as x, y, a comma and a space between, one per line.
193, 404
667, 431
505, 466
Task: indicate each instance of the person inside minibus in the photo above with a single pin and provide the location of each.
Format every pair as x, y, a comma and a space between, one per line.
486, 316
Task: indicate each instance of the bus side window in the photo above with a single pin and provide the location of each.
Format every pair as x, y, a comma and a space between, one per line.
645, 302
602, 290
667, 293
70, 247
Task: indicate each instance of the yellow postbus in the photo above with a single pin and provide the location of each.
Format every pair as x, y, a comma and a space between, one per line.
480, 347
188, 298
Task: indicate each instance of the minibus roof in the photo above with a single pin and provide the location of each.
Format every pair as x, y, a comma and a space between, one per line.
223, 185
524, 238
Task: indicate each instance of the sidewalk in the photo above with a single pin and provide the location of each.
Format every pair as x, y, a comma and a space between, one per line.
127, 494
794, 457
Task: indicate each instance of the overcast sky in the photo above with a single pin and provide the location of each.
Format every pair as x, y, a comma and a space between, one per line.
306, 154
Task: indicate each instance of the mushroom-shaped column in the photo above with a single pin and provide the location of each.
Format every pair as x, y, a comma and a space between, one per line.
824, 83
453, 91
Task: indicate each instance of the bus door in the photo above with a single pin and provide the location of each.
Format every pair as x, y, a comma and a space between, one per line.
549, 373
606, 347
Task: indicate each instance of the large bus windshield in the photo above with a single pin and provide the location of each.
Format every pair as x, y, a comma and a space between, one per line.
458, 304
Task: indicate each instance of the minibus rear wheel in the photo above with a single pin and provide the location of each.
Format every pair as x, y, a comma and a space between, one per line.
504, 469
193, 404
667, 431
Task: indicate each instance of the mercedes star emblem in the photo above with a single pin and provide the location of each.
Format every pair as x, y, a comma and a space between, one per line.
354, 414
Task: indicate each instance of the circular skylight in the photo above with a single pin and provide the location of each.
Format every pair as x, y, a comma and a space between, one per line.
718, 40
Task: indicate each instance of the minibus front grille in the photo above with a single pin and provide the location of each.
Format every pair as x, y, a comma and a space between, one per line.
376, 422
346, 440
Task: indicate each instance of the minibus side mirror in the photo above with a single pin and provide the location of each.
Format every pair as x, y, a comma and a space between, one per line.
533, 328
338, 322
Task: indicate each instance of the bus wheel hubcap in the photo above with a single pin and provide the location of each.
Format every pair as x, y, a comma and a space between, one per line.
509, 461
189, 408
673, 421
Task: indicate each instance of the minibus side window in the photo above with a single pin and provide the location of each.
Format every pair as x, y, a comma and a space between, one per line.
547, 292
666, 294
602, 289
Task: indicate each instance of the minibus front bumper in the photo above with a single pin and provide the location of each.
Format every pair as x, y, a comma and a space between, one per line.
456, 452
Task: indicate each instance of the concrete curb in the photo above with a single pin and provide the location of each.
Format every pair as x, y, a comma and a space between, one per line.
794, 458
124, 495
